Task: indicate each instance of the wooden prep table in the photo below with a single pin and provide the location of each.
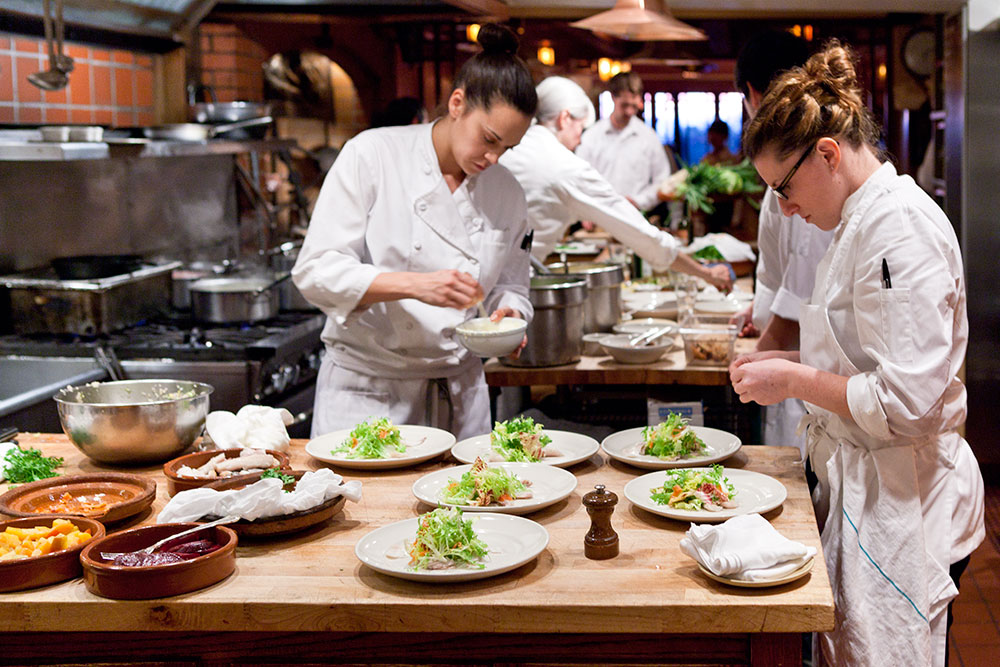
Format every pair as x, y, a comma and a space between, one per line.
306, 597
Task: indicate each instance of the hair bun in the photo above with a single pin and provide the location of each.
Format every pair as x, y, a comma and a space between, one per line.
496, 38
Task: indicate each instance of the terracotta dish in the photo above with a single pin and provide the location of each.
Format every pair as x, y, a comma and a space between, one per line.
278, 525
156, 581
57, 566
176, 484
105, 496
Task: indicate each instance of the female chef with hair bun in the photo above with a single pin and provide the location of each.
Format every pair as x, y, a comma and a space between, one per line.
900, 495
413, 227
562, 188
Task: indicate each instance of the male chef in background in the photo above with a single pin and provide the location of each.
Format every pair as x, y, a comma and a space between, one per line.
623, 149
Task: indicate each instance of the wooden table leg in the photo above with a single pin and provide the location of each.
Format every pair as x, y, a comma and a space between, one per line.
776, 650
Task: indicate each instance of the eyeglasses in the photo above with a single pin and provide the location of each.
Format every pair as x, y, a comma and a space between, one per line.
780, 189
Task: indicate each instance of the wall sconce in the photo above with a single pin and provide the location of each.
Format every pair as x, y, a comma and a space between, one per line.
546, 54
607, 68
472, 32
882, 72
803, 31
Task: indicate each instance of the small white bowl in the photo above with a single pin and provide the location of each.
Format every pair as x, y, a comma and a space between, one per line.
592, 344
642, 325
485, 338
618, 347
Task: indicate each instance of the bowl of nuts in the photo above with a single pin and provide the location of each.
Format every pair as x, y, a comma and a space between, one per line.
709, 344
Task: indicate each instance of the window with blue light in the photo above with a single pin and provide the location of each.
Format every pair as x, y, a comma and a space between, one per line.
695, 113
731, 113
666, 116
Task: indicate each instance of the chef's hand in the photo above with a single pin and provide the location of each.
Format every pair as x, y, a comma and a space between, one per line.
746, 316
507, 311
765, 381
718, 275
448, 288
760, 356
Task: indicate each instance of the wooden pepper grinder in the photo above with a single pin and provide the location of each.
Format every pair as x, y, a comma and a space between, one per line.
601, 541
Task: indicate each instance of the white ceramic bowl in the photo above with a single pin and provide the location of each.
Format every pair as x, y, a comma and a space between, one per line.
642, 325
491, 339
618, 347
592, 344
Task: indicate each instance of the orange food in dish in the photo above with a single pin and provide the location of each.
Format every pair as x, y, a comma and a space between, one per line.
93, 505
17, 543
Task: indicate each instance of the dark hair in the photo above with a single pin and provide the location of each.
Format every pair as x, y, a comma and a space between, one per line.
496, 74
820, 99
401, 111
767, 55
625, 82
719, 127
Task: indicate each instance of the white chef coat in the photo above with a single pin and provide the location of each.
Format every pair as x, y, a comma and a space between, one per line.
562, 188
900, 463
385, 207
632, 160
789, 249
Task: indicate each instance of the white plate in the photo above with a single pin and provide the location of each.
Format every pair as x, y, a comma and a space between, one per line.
576, 248
791, 576
650, 300
574, 447
722, 306
621, 446
432, 442
642, 325
512, 541
548, 486
754, 493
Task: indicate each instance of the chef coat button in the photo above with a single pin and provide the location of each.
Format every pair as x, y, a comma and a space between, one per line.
422, 206
477, 221
417, 246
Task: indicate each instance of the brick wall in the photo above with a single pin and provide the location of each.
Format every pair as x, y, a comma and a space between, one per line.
231, 63
107, 87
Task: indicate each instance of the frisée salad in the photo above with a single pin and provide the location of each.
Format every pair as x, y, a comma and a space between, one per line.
670, 440
372, 439
519, 440
695, 490
483, 486
445, 540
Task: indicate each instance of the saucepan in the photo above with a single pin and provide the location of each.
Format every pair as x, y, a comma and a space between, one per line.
236, 299
90, 267
199, 131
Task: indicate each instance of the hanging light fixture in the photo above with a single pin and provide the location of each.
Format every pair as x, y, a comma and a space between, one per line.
638, 20
546, 54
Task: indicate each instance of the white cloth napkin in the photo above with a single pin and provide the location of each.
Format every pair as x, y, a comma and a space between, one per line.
261, 499
745, 547
4, 448
253, 427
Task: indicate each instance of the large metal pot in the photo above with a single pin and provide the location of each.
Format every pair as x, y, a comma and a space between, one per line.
555, 335
603, 308
282, 260
235, 299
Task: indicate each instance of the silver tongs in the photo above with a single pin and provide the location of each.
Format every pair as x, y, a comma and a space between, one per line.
649, 336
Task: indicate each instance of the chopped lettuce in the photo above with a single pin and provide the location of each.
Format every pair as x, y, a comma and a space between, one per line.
483, 486
671, 439
444, 539
519, 439
370, 440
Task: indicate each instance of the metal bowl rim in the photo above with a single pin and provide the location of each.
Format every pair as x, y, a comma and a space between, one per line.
203, 389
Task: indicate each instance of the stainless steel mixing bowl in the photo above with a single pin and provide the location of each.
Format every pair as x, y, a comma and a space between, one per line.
133, 421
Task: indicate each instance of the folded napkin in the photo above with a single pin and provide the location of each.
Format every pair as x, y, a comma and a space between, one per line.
4, 448
745, 547
253, 427
262, 499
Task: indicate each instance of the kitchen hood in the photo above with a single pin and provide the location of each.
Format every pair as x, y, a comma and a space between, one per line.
162, 19
637, 20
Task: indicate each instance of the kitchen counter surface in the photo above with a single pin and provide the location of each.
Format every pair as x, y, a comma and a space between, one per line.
307, 595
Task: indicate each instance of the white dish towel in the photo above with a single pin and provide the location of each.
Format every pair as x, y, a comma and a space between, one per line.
745, 547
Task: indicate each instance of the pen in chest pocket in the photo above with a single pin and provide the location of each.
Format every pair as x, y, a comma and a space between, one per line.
886, 281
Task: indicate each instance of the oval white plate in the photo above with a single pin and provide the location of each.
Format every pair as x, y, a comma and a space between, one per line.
722, 306
791, 576
512, 541
621, 446
755, 492
432, 442
574, 447
548, 486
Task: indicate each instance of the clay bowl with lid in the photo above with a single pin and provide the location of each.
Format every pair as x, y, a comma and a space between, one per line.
102, 577
176, 483
104, 496
51, 568
285, 523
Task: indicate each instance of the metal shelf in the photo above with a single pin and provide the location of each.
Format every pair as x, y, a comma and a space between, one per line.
19, 146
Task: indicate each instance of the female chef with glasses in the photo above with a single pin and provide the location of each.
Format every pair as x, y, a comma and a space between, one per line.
900, 495
413, 227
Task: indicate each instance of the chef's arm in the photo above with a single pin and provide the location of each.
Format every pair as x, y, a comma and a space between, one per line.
448, 288
717, 275
780, 333
771, 377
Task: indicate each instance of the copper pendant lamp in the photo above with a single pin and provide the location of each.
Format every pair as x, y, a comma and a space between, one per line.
637, 20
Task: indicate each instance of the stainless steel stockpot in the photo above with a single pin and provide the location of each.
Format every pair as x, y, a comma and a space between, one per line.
235, 299
555, 334
603, 308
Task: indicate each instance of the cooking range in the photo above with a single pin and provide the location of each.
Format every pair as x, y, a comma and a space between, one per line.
272, 362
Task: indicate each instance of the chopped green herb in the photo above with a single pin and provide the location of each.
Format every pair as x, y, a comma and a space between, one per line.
277, 474
28, 465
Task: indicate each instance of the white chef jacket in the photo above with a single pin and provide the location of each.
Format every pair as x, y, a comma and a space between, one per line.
632, 160
900, 462
562, 188
385, 207
789, 249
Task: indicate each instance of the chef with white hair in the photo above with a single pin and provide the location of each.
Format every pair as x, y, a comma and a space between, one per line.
562, 188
